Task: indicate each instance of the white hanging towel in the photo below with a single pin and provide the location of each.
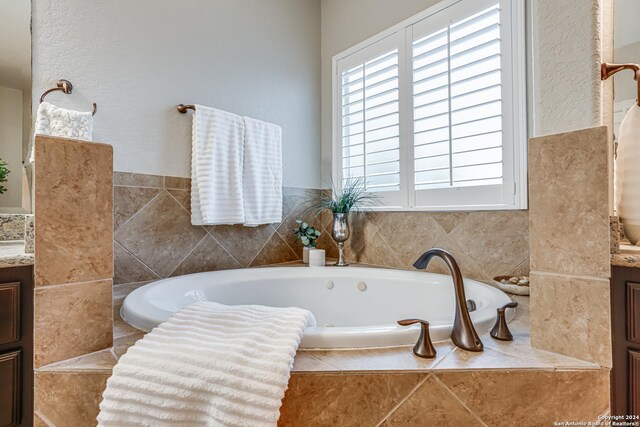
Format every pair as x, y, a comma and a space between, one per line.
216, 167
262, 173
209, 365
55, 121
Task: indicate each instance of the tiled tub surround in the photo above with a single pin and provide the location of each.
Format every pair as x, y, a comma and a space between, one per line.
154, 238
508, 384
74, 261
485, 244
570, 244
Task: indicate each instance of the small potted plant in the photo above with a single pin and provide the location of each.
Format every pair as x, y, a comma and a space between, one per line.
4, 171
308, 235
352, 195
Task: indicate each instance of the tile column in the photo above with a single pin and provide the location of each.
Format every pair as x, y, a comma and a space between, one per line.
569, 239
73, 248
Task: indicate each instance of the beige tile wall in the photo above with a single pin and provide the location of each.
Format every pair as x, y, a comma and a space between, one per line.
485, 244
73, 249
570, 244
154, 238
462, 398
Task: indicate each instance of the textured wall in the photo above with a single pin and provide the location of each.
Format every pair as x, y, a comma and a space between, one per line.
567, 48
138, 59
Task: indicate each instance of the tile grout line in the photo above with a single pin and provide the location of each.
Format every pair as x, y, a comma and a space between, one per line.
464, 405
45, 368
185, 209
189, 253
140, 186
137, 259
137, 212
453, 350
265, 244
60, 285
223, 248
570, 276
338, 370
286, 243
404, 399
43, 418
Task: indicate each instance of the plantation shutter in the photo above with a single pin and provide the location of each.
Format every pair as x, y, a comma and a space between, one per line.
457, 106
370, 118
431, 114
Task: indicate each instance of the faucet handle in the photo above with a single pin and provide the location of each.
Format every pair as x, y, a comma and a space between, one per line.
424, 347
500, 330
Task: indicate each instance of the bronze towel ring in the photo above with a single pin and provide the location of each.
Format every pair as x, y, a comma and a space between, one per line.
66, 87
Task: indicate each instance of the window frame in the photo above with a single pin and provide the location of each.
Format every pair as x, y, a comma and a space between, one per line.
514, 111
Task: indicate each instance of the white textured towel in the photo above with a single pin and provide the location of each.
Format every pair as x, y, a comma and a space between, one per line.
209, 365
216, 167
262, 174
55, 121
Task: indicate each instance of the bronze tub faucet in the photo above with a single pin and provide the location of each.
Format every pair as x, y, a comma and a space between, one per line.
463, 334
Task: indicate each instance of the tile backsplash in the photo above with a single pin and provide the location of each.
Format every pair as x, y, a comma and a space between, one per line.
154, 238
485, 244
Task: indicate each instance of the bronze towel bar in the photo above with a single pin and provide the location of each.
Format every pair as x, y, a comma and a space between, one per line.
66, 87
608, 70
183, 108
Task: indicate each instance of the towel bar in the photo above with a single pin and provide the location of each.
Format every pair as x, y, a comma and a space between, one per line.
183, 108
607, 70
66, 87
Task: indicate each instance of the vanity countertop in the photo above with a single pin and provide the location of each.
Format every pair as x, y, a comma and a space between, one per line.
629, 256
12, 254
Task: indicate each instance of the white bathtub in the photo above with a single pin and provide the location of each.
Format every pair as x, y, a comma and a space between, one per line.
354, 307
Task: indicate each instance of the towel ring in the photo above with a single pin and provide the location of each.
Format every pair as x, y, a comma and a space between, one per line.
66, 87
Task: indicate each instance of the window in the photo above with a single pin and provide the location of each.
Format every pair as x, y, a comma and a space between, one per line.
431, 113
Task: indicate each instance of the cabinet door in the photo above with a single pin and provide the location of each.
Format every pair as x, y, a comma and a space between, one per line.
10, 388
634, 382
9, 312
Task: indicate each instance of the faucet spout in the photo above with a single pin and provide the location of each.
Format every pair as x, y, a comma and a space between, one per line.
463, 335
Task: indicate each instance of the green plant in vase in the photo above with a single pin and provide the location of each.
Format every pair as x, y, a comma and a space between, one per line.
4, 172
352, 195
308, 235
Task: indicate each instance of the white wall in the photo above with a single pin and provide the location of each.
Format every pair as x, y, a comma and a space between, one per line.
627, 30
564, 56
138, 59
11, 145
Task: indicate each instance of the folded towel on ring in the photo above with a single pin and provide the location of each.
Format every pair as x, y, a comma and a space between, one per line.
56, 121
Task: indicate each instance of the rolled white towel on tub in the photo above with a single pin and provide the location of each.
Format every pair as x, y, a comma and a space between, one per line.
209, 365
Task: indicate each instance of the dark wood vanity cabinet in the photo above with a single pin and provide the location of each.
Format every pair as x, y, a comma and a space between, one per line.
16, 346
625, 312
